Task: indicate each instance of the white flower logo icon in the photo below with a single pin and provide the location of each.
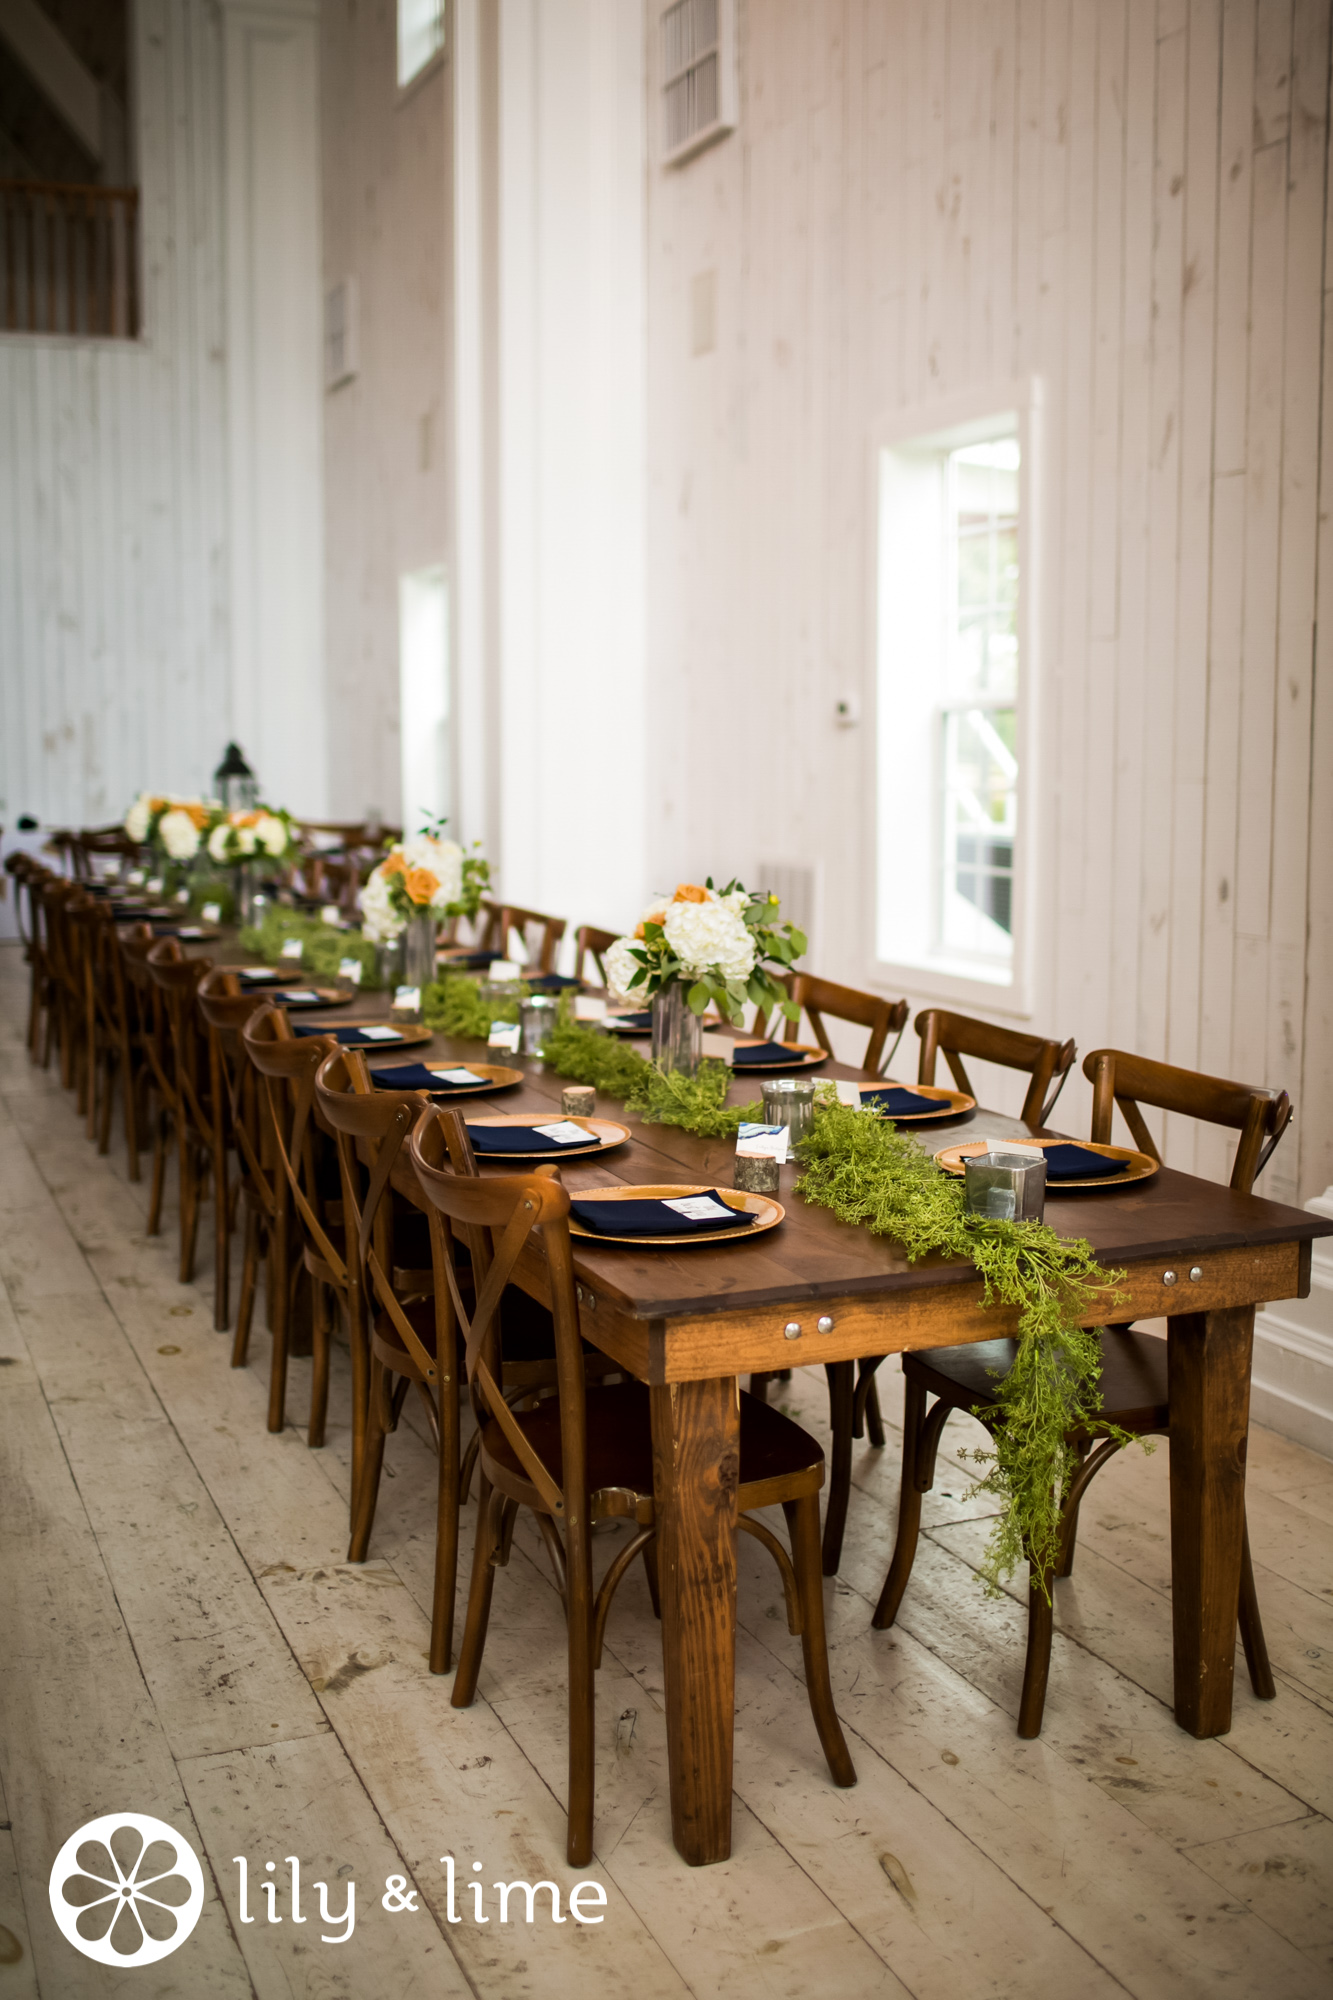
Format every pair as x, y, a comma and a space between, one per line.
126, 1889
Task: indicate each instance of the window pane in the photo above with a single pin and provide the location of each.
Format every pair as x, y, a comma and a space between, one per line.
420, 34
982, 531
980, 813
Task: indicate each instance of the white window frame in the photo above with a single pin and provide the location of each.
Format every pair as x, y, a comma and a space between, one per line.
928, 970
407, 86
728, 93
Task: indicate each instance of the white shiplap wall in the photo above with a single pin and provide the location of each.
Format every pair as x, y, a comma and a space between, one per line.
113, 492
1127, 202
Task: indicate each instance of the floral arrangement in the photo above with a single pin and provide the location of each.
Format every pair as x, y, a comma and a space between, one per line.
721, 942
426, 876
177, 826
240, 835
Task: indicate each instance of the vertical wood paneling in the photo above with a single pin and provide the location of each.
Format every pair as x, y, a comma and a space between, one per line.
113, 607
1126, 200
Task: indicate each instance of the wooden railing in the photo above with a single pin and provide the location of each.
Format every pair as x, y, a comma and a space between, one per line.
69, 259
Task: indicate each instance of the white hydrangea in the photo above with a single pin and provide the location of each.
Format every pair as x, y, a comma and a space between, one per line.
380, 921
138, 817
621, 968
711, 933
218, 841
178, 834
444, 858
271, 834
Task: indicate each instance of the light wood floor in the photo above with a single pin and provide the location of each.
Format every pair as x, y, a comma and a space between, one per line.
182, 1637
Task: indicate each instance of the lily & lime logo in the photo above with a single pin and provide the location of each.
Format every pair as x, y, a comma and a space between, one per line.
126, 1889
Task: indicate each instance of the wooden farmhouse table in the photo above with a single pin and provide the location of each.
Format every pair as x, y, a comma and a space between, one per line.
690, 1321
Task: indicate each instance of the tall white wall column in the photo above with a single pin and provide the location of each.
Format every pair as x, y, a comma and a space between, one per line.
275, 394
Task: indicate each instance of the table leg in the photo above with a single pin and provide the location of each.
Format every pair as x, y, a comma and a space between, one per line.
696, 1472
1209, 1377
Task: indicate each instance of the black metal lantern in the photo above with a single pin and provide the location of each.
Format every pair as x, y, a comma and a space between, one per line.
236, 784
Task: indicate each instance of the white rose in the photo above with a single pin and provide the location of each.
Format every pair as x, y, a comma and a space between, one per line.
271, 834
179, 835
217, 841
138, 817
381, 922
621, 967
710, 934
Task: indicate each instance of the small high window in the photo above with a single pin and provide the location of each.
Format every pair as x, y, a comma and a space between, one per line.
420, 36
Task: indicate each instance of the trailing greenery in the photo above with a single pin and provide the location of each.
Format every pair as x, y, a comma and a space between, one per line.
861, 1168
696, 1103
454, 1006
322, 947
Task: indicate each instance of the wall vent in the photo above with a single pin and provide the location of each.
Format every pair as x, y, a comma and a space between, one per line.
797, 885
698, 76
341, 334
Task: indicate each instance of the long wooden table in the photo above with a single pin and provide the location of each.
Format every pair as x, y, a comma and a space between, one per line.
690, 1321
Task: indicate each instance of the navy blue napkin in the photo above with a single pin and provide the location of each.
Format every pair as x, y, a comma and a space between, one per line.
1076, 1163
349, 1037
412, 1076
895, 1101
552, 982
467, 961
639, 1023
767, 1052
518, 1139
653, 1218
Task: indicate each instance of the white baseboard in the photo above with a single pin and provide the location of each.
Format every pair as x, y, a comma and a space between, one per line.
1292, 1385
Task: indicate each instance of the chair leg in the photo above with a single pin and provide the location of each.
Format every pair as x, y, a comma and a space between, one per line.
1069, 1526
489, 1507
841, 1410
277, 1375
759, 1387
320, 1336
446, 1528
1037, 1666
249, 1280
372, 1463
1252, 1629
221, 1240
582, 1694
909, 1508
128, 1083
867, 1403
159, 1177
650, 1568
803, 1527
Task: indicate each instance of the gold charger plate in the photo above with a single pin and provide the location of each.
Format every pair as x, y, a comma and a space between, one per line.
497, 1077
769, 1214
953, 1103
325, 996
408, 1038
1142, 1166
803, 1056
604, 1133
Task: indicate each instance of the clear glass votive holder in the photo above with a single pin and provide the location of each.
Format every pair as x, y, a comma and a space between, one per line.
1005, 1189
790, 1101
537, 1018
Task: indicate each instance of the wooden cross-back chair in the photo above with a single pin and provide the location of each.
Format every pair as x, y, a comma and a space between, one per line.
586, 1455
957, 1035
512, 918
28, 874
818, 997
182, 1067
1135, 1376
286, 1064
64, 984
588, 940
107, 1044
234, 1084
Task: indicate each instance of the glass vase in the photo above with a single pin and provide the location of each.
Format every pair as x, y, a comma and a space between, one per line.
419, 938
677, 1031
245, 879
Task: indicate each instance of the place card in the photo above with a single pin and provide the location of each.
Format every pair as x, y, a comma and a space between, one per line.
587, 1007
566, 1133
455, 1075
258, 972
762, 1142
182, 895
350, 969
154, 885
504, 1035
407, 996
189, 931
331, 914
848, 1093
503, 970
211, 913
136, 878
700, 1208
307, 993
382, 1034
720, 1046
291, 948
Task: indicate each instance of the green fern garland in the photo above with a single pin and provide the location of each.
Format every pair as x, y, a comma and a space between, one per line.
696, 1103
322, 947
454, 1006
857, 1165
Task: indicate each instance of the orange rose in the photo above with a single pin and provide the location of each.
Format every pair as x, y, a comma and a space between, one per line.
420, 884
393, 864
200, 815
689, 892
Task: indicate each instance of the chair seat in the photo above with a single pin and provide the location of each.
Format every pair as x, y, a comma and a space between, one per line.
527, 1334
1133, 1383
774, 1450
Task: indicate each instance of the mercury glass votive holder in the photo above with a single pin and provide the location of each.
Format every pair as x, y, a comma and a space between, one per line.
757, 1174
578, 1101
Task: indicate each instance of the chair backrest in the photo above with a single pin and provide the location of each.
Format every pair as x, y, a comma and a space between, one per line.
818, 997
508, 1209
225, 1010
956, 1035
1118, 1078
589, 939
287, 1064
177, 978
512, 918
